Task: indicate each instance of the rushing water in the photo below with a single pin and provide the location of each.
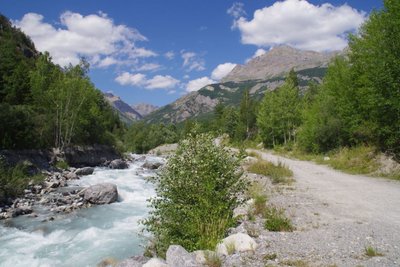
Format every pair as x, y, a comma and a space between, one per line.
87, 236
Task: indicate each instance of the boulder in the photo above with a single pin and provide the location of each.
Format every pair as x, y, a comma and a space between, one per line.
118, 164
71, 176
177, 256
104, 193
155, 262
239, 242
84, 171
136, 261
152, 165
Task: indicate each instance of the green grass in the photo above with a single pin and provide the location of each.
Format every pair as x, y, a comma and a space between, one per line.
372, 252
276, 221
259, 204
278, 173
63, 165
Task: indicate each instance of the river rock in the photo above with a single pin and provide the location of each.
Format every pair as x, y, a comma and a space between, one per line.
155, 262
136, 261
84, 171
241, 243
104, 193
151, 165
71, 176
118, 164
177, 256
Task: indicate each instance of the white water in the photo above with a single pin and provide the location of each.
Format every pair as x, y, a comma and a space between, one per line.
85, 237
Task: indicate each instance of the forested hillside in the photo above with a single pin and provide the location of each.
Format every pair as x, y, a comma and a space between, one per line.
44, 105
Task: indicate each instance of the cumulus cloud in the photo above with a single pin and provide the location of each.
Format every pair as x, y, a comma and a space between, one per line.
259, 52
222, 70
127, 78
161, 82
300, 24
94, 36
192, 61
139, 79
197, 84
170, 55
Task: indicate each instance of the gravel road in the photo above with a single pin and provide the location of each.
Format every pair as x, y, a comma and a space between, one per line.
337, 216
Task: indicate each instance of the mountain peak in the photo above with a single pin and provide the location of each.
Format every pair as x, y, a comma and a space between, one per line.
277, 61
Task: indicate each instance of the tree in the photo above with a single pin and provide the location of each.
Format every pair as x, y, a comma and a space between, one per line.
279, 114
247, 116
197, 192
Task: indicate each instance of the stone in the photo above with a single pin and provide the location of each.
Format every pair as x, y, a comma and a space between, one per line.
104, 193
155, 262
177, 256
200, 256
71, 176
84, 171
118, 164
240, 242
151, 165
136, 261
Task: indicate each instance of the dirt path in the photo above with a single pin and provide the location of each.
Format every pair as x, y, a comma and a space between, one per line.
337, 215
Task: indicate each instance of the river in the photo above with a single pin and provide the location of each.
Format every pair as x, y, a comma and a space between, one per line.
87, 236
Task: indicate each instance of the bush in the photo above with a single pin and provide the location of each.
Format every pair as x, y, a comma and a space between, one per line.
197, 192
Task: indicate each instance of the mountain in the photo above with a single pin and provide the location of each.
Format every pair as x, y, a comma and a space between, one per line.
261, 74
126, 112
277, 62
144, 109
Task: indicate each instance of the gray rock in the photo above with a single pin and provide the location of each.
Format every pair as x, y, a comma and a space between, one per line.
136, 261
118, 164
151, 165
177, 256
104, 193
84, 171
71, 176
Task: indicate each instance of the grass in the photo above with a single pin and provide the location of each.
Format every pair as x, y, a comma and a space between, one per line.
259, 204
372, 252
295, 263
63, 165
278, 173
230, 248
270, 257
212, 259
276, 221
354, 160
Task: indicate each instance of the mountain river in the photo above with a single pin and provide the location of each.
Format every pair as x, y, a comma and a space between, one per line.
87, 236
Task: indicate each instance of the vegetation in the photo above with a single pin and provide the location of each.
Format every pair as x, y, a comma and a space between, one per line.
43, 105
197, 192
13, 181
278, 173
276, 221
372, 252
212, 259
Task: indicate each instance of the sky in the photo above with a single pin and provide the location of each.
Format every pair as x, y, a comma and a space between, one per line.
155, 51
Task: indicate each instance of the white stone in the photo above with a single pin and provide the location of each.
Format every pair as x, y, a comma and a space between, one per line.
155, 262
241, 242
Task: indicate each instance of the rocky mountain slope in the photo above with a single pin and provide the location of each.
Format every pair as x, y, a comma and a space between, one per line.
126, 112
144, 109
277, 62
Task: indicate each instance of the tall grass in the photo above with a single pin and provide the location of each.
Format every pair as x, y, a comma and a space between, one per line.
278, 173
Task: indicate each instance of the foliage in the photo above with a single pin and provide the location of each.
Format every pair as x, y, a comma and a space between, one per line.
14, 180
142, 137
212, 259
197, 192
278, 173
279, 113
63, 165
276, 221
43, 105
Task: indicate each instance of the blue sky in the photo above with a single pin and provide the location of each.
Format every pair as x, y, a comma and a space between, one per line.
155, 51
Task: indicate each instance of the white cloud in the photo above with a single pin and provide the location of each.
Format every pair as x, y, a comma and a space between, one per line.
170, 55
186, 77
259, 52
222, 70
161, 82
94, 36
148, 67
197, 84
191, 61
127, 78
139, 79
236, 10
300, 24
